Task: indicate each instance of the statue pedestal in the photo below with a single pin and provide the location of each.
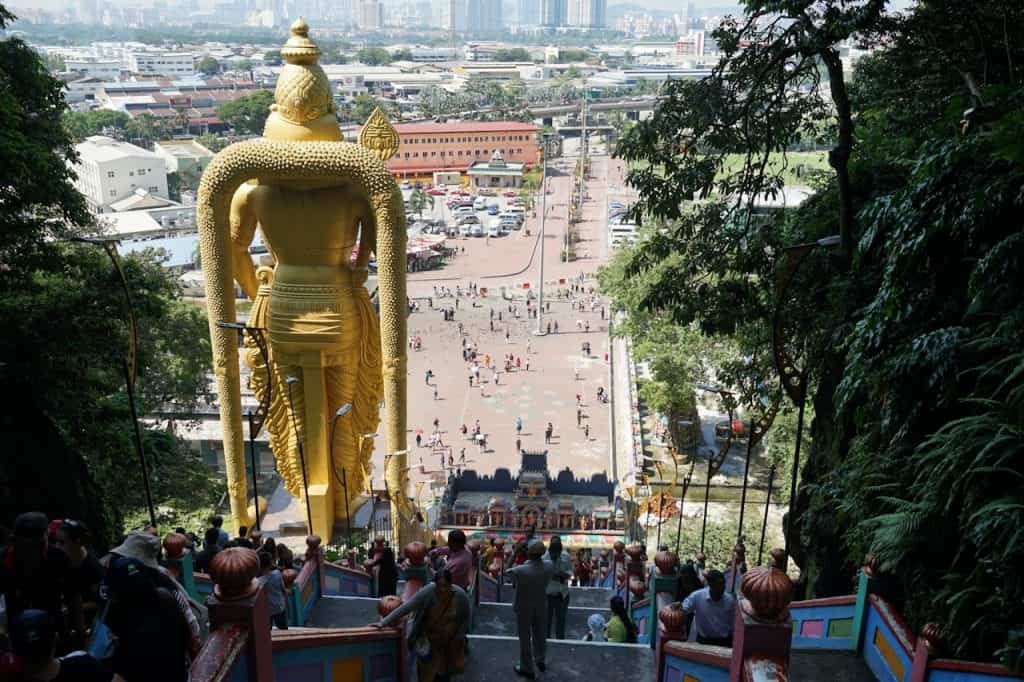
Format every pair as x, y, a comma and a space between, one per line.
321, 506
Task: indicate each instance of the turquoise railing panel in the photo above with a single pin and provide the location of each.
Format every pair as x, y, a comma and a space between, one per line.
824, 623
888, 644
695, 663
350, 654
341, 581
640, 614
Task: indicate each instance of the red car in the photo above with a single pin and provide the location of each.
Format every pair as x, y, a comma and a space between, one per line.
510, 194
436, 192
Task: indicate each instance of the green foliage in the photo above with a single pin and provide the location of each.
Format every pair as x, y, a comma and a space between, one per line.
373, 56
419, 200
68, 447
910, 333
273, 58
515, 54
363, 105
719, 539
405, 54
83, 124
208, 66
247, 115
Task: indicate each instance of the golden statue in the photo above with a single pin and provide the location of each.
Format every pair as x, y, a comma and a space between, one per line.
313, 196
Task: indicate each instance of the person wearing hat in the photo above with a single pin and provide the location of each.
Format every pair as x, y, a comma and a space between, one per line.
35, 575
152, 637
34, 641
145, 548
530, 606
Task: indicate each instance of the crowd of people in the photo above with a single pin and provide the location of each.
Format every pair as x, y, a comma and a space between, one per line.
57, 594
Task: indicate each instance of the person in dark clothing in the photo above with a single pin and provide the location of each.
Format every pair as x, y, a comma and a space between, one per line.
153, 636
203, 558
87, 573
242, 540
34, 641
387, 575
34, 575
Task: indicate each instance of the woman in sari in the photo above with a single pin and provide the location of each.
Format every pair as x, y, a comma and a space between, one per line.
437, 639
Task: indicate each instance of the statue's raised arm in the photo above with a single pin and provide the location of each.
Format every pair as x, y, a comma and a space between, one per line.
313, 196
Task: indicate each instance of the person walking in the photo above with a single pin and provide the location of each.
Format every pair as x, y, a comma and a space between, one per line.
586, 431
437, 638
548, 432
519, 426
579, 417
530, 606
435, 391
713, 609
558, 588
272, 580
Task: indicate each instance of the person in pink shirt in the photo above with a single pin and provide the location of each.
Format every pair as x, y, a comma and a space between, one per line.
459, 559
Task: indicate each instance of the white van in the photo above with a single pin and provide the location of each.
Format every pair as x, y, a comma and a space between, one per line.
465, 230
480, 203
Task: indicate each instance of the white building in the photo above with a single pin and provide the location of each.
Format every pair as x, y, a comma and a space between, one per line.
92, 67
170, 64
183, 156
109, 171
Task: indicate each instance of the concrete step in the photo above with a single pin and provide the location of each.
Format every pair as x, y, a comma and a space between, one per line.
344, 612
498, 619
491, 659
594, 597
834, 666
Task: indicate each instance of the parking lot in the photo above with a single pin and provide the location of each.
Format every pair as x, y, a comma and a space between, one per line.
459, 213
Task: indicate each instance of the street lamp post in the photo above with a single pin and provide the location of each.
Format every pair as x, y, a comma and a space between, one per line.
341, 412
128, 363
746, 477
767, 503
545, 144
302, 453
728, 401
793, 380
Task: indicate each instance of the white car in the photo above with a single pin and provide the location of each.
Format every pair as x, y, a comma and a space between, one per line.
478, 230
465, 230
480, 203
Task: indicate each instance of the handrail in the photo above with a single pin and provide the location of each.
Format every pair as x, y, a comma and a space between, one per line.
286, 640
345, 569
717, 656
972, 667
894, 619
843, 600
219, 654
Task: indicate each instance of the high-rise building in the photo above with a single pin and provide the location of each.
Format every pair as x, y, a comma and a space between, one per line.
483, 16
450, 15
553, 12
586, 13
371, 15
528, 12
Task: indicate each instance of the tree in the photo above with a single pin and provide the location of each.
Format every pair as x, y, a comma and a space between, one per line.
515, 54
68, 436
333, 56
373, 56
363, 106
83, 124
208, 66
247, 115
146, 129
404, 54
273, 58
419, 200
55, 62
908, 331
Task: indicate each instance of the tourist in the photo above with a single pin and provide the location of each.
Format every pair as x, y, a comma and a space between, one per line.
435, 391
595, 628
285, 557
519, 425
519, 445
34, 575
210, 549
620, 628
579, 417
272, 581
437, 638
242, 540
34, 641
459, 559
713, 613
586, 431
222, 535
387, 573
87, 573
558, 588
152, 636
549, 433
419, 440
530, 606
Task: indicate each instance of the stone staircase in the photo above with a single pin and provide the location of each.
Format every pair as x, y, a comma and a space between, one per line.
494, 648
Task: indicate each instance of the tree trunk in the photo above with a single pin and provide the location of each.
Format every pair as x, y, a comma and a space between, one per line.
839, 156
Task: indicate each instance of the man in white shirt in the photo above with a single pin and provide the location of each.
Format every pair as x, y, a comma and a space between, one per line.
713, 612
558, 588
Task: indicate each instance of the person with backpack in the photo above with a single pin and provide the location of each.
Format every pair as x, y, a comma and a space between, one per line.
152, 637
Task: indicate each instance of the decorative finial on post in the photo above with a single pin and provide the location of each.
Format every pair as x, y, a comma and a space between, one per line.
312, 547
766, 594
673, 618
234, 571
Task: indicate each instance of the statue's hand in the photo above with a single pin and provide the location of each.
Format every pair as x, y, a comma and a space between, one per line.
359, 276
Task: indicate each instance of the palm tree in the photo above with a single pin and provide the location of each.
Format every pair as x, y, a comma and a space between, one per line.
419, 200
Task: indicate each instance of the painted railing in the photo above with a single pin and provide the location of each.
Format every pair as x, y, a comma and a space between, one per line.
356, 654
640, 614
694, 662
223, 656
488, 588
824, 623
344, 581
307, 589
888, 644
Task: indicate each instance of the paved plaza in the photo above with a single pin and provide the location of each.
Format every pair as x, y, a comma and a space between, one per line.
558, 368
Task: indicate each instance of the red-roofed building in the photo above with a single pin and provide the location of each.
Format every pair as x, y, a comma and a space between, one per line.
428, 147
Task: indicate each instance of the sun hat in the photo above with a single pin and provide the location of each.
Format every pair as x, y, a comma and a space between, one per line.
142, 547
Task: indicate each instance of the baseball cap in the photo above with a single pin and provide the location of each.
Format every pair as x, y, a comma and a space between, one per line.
32, 635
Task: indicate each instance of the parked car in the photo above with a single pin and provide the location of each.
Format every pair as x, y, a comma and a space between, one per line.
436, 192
492, 209
467, 220
511, 194
478, 230
487, 192
480, 203
465, 230
406, 185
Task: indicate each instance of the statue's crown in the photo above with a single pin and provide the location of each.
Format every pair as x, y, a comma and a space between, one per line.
303, 93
